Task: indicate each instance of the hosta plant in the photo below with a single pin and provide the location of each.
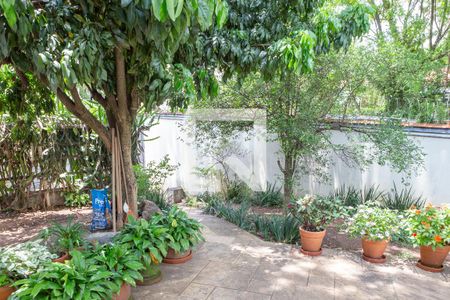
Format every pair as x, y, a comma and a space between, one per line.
315, 213
149, 241
429, 226
185, 231
120, 260
22, 260
79, 278
373, 223
5, 280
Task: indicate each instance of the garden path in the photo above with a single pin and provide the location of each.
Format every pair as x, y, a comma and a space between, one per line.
234, 264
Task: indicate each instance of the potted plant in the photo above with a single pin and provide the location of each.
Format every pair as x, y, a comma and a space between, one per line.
79, 278
5, 286
185, 233
63, 238
123, 263
315, 213
375, 226
149, 241
430, 229
20, 261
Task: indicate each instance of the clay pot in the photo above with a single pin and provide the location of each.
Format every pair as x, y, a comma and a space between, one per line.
174, 257
311, 242
151, 274
62, 259
374, 249
6, 291
433, 258
124, 293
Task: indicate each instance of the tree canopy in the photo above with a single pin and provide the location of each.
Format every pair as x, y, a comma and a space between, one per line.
138, 53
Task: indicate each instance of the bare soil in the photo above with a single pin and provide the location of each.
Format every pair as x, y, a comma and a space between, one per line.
17, 227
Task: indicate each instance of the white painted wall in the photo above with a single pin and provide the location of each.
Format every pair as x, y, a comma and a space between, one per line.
433, 182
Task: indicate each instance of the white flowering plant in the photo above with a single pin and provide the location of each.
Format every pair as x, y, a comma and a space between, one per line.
373, 222
315, 213
22, 260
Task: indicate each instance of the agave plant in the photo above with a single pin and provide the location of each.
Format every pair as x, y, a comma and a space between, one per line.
403, 199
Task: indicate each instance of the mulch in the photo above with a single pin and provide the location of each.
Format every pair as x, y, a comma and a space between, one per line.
17, 227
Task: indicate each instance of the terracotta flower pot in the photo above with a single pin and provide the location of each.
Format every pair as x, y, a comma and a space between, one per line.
62, 259
373, 251
311, 242
124, 293
173, 257
6, 291
433, 258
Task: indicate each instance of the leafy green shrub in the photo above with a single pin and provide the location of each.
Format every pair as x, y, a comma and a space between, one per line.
63, 238
271, 197
373, 223
238, 192
159, 198
76, 199
315, 212
238, 216
22, 260
350, 196
149, 241
151, 178
121, 261
185, 232
402, 200
79, 278
276, 228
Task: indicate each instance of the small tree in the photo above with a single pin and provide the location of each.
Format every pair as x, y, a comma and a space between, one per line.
303, 111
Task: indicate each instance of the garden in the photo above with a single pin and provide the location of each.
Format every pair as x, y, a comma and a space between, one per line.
222, 149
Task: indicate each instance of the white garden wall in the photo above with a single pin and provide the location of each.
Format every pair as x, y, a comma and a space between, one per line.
433, 182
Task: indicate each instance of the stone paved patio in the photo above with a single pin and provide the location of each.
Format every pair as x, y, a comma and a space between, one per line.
234, 264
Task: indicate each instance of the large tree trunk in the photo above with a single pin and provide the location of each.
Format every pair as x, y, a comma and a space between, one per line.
130, 179
288, 174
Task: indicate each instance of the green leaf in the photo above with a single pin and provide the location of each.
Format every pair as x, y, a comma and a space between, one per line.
160, 10
171, 9
205, 13
125, 3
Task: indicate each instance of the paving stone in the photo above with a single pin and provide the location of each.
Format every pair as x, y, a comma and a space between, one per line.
197, 291
262, 286
230, 294
304, 293
225, 275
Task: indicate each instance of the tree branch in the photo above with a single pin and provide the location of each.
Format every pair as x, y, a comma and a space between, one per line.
77, 108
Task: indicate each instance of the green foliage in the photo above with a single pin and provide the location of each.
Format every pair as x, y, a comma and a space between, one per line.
185, 232
80, 278
271, 197
352, 197
429, 226
147, 240
150, 179
63, 238
67, 154
120, 261
276, 228
373, 222
22, 260
76, 199
160, 199
237, 191
283, 228
5, 280
402, 200
315, 213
